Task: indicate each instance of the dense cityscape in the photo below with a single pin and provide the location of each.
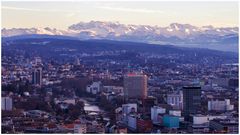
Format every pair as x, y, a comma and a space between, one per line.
58, 86
119, 67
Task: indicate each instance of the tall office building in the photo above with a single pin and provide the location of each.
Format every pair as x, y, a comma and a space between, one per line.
191, 100
135, 86
7, 103
37, 77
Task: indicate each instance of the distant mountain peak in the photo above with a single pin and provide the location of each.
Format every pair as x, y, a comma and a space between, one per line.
175, 33
208, 26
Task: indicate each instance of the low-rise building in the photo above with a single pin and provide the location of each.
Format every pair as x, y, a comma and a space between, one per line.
224, 126
202, 119
7, 103
94, 88
132, 122
175, 113
144, 126
220, 105
171, 121
80, 128
156, 113
128, 109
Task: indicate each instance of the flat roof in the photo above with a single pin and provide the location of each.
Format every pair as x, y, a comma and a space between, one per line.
191, 87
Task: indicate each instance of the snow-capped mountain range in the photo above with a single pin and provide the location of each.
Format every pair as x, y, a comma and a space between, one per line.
174, 34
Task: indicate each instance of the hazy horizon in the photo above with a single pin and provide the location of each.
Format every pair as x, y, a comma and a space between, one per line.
60, 15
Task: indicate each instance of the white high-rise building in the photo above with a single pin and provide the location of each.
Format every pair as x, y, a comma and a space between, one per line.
7, 103
175, 100
77, 61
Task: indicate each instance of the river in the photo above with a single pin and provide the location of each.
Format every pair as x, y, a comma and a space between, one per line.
90, 107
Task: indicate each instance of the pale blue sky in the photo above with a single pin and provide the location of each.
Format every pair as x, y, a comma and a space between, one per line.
161, 13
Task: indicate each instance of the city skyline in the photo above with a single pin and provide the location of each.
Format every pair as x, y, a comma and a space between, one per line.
161, 13
111, 67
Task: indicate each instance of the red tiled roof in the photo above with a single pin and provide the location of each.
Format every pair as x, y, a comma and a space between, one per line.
69, 126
